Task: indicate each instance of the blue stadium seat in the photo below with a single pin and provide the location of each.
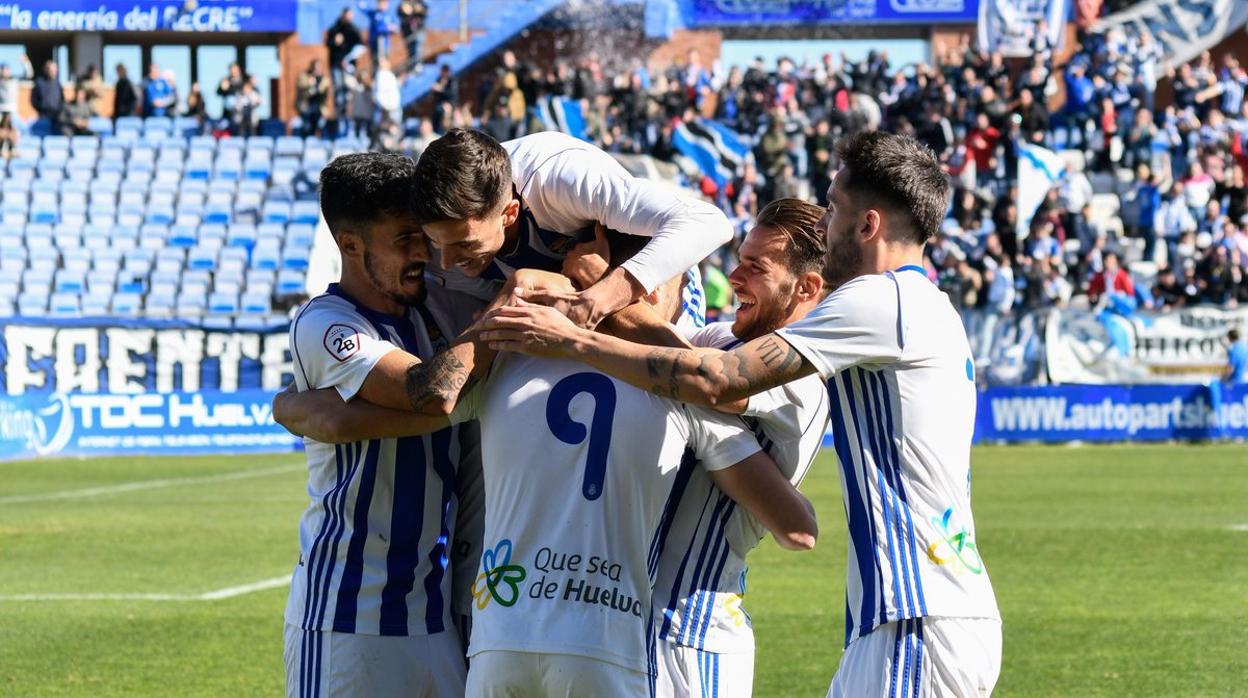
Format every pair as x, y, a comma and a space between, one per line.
191, 304
217, 212
198, 167
182, 236
300, 234
228, 169
44, 210
74, 257
295, 257
201, 257
241, 236
223, 303
129, 304
70, 281
100, 125
288, 145
305, 212
266, 256
290, 282
96, 304
255, 304
32, 304
158, 124
160, 214
64, 305
185, 126
212, 234
130, 283
203, 143
257, 169
276, 212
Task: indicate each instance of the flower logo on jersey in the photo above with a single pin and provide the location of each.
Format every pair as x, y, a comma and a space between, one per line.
956, 546
499, 579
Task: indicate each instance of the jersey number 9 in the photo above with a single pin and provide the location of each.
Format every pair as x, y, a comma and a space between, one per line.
573, 432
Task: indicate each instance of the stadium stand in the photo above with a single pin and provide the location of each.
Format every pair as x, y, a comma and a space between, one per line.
143, 220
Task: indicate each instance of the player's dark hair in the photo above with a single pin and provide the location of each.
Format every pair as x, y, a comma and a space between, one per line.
464, 174
623, 246
1233, 335
359, 188
796, 220
900, 173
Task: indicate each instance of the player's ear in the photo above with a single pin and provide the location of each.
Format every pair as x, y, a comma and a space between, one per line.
870, 224
350, 244
809, 286
511, 212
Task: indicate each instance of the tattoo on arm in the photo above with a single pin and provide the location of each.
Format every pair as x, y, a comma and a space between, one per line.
439, 381
660, 365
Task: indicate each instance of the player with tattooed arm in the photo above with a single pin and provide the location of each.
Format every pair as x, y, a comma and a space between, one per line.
921, 614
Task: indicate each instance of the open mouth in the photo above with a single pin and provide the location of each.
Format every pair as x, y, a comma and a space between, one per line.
745, 304
413, 275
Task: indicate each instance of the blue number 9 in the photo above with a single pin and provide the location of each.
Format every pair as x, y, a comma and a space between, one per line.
573, 432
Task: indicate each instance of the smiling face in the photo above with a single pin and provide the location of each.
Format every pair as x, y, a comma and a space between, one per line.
393, 252
763, 283
471, 244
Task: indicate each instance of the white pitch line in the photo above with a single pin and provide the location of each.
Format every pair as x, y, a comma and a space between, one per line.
146, 485
1238, 527
214, 595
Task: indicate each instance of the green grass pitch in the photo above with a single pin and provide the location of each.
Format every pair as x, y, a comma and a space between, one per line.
1120, 571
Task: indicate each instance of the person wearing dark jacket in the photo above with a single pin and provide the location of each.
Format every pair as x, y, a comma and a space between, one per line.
125, 97
343, 41
48, 96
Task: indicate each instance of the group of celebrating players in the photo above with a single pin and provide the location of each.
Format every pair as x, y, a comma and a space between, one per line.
534, 472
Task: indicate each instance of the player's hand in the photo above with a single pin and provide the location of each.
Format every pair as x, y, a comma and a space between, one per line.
301, 413
587, 262
527, 328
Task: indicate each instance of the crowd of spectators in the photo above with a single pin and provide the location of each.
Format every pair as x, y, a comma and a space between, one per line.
1172, 180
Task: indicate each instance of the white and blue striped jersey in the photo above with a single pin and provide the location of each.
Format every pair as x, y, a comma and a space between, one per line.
702, 570
374, 540
901, 386
578, 469
567, 186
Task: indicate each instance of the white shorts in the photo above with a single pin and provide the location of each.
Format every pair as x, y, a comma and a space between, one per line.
922, 658
685, 672
322, 664
503, 674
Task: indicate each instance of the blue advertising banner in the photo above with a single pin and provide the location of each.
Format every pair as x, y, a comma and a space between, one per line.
153, 15
1112, 413
55, 424
769, 12
138, 356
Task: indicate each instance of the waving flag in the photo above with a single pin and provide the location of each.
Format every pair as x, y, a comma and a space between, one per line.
563, 114
1039, 170
718, 151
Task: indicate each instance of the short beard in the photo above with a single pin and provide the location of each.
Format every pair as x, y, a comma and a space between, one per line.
769, 319
407, 300
843, 263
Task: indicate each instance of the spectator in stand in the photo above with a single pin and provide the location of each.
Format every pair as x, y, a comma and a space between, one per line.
125, 97
380, 26
386, 89
982, 144
76, 115
249, 102
1198, 188
93, 83
412, 15
1236, 371
362, 105
312, 97
1174, 218
1080, 95
47, 97
999, 278
195, 107
1033, 117
9, 88
1219, 276
1114, 285
343, 41
229, 89
158, 97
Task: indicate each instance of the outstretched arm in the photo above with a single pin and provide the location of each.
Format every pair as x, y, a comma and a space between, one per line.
758, 485
701, 376
322, 415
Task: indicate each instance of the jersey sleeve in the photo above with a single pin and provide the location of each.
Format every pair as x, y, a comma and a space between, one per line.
335, 348
469, 405
589, 184
719, 440
858, 324
794, 417
717, 335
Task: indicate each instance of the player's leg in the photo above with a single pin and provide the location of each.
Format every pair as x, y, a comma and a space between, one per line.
685, 672
962, 657
570, 675
867, 664
301, 656
501, 674
376, 665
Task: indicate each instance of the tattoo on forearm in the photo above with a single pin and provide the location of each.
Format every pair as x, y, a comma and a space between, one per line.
661, 365
779, 355
441, 379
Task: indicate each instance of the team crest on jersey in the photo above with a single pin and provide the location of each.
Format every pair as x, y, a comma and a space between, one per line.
342, 341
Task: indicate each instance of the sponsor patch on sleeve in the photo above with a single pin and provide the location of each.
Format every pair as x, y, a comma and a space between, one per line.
342, 341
